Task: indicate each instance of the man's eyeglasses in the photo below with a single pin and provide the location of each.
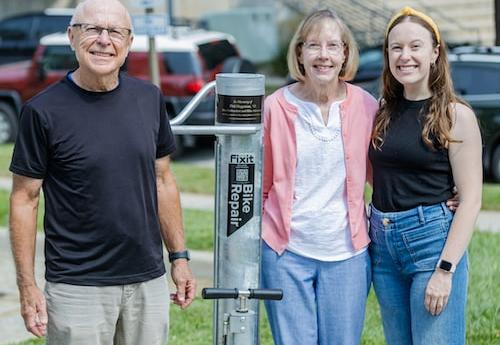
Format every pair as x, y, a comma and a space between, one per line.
91, 31
332, 47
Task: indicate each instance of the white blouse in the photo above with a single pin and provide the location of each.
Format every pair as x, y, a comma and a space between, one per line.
319, 225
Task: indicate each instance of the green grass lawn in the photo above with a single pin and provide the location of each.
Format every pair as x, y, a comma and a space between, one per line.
491, 197
193, 326
194, 179
5, 156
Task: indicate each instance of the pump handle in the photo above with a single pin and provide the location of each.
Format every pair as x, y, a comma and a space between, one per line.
267, 294
217, 293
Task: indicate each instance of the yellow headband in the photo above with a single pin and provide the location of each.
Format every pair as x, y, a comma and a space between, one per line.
408, 11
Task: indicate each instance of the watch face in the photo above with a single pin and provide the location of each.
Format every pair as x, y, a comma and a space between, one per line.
445, 265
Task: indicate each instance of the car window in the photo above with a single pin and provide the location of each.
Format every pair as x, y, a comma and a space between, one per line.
181, 63
471, 78
214, 53
16, 29
59, 58
51, 24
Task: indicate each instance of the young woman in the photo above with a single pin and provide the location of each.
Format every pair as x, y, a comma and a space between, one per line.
316, 137
425, 141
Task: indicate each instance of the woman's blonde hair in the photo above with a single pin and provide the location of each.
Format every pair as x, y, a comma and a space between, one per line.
438, 119
307, 26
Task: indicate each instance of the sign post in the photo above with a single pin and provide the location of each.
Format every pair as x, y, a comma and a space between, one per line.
151, 25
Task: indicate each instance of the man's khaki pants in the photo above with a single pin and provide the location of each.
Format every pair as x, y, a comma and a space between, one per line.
134, 314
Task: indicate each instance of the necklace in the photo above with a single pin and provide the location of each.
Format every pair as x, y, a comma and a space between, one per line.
322, 133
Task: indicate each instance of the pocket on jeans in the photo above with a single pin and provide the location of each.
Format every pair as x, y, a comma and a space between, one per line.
425, 243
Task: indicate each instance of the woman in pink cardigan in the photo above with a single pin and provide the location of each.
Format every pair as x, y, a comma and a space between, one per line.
316, 136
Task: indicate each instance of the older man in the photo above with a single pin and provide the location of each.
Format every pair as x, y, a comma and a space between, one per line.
98, 143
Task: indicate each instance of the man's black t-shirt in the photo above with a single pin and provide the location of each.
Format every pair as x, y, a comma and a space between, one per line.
96, 152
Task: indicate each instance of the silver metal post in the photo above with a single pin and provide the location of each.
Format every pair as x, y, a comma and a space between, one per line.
238, 201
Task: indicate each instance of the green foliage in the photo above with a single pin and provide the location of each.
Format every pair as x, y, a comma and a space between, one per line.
278, 65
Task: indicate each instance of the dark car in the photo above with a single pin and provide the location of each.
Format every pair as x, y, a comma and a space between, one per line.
476, 77
20, 34
371, 63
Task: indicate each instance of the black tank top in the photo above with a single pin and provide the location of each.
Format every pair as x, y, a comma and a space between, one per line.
406, 172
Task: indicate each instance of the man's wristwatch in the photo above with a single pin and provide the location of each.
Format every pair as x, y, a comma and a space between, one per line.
446, 266
179, 255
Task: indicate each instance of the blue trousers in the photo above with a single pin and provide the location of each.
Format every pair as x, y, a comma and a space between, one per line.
323, 302
405, 249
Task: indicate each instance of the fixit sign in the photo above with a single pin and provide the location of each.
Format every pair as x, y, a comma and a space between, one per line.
241, 189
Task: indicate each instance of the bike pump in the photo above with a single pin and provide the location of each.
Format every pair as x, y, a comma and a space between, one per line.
238, 205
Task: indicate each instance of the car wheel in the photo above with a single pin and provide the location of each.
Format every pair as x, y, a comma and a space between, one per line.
8, 123
495, 164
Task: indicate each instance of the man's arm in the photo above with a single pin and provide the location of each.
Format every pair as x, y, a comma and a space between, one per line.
170, 215
23, 214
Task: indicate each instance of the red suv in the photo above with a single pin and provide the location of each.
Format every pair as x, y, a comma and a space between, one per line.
187, 59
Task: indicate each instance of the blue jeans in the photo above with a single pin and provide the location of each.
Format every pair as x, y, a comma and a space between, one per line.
405, 249
323, 302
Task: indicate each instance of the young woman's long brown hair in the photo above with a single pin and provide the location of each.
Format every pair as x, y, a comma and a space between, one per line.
438, 120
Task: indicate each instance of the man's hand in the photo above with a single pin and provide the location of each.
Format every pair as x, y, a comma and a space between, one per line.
34, 310
184, 282
437, 292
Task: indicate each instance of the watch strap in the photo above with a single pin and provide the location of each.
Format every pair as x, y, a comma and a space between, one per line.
179, 255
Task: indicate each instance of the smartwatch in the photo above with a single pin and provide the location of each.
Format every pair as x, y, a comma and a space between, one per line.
178, 255
446, 266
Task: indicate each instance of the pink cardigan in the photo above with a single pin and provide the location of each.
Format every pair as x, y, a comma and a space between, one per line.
280, 159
